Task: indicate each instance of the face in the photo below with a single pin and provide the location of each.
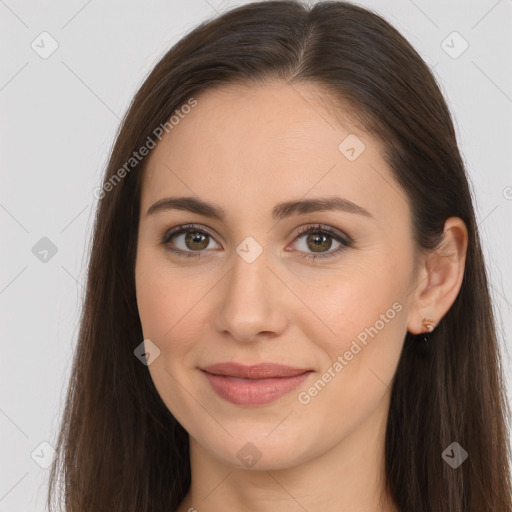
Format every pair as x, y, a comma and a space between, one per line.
323, 291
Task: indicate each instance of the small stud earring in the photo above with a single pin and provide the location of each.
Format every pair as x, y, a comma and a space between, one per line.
429, 326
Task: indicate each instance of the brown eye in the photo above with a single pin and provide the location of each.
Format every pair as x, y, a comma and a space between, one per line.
192, 241
196, 241
187, 241
318, 241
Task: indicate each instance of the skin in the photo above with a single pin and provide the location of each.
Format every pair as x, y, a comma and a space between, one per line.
246, 149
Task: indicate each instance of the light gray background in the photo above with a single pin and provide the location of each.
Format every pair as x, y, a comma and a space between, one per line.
59, 117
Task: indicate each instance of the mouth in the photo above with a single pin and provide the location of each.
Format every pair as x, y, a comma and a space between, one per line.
253, 385
255, 372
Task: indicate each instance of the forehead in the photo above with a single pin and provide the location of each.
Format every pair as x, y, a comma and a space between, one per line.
266, 142
283, 119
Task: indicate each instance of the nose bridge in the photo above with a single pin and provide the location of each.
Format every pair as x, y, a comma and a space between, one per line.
249, 303
250, 277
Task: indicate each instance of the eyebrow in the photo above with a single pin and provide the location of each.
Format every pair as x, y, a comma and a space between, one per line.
279, 212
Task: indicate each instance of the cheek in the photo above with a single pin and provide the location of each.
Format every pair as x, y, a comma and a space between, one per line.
339, 306
154, 303
164, 298
165, 306
365, 312
171, 304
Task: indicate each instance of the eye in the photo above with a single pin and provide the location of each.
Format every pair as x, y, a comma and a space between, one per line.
318, 239
194, 241
190, 240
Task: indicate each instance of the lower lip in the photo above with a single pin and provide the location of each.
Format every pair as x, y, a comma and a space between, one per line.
254, 391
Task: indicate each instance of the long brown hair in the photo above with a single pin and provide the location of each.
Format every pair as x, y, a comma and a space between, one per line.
119, 447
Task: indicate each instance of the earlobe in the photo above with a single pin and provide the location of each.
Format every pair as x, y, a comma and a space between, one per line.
440, 279
428, 326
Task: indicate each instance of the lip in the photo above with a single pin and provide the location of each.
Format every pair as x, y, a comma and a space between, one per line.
253, 385
256, 371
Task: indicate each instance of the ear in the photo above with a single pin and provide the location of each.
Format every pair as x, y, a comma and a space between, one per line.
440, 278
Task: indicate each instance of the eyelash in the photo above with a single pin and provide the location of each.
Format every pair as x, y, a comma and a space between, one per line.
345, 241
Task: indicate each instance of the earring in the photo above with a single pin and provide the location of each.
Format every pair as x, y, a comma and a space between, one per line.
429, 326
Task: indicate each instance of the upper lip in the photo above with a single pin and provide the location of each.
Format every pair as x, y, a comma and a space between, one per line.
256, 371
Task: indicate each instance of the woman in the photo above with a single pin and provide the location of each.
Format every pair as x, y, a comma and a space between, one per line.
287, 306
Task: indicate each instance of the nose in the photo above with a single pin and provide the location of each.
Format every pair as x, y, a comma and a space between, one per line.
251, 301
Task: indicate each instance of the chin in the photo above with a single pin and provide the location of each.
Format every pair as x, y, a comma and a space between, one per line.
257, 450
